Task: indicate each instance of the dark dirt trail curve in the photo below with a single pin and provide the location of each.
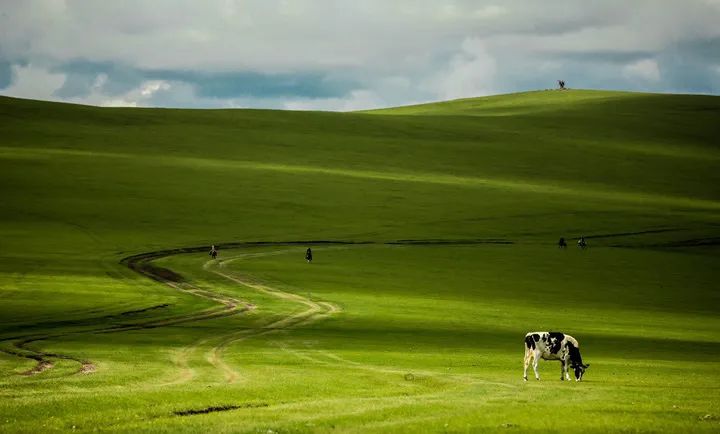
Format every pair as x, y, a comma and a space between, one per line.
142, 264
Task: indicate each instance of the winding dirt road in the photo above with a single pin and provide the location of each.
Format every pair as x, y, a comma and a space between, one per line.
226, 306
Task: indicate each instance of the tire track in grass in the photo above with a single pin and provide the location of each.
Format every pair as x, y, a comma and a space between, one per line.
336, 360
314, 311
140, 264
318, 310
214, 356
230, 305
452, 383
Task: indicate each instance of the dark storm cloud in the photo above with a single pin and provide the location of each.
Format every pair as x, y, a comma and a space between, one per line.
692, 66
82, 78
254, 84
5, 73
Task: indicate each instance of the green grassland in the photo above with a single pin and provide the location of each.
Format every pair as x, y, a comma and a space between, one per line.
446, 217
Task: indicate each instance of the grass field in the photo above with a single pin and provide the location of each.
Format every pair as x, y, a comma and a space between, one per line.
443, 219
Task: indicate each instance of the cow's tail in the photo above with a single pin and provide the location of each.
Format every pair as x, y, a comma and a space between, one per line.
529, 343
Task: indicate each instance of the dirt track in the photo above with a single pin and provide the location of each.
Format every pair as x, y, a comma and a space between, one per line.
315, 311
142, 264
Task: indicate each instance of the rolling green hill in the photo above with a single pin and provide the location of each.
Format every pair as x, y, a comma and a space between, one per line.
444, 220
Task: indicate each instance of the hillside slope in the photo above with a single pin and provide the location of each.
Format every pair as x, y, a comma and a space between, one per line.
570, 148
446, 218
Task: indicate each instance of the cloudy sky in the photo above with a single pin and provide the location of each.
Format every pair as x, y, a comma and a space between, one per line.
349, 54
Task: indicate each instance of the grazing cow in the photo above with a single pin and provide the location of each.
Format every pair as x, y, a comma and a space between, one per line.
554, 346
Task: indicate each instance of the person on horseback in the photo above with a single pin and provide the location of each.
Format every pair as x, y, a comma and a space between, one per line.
213, 251
308, 255
581, 243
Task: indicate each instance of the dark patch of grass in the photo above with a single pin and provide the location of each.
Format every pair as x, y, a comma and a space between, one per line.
214, 409
135, 312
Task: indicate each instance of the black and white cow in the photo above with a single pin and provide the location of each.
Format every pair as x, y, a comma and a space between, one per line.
553, 346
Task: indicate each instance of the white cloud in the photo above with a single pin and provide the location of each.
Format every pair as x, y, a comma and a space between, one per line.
357, 100
149, 88
138, 97
37, 82
118, 102
645, 69
489, 11
470, 73
34, 82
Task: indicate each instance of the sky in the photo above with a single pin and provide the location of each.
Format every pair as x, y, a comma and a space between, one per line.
349, 54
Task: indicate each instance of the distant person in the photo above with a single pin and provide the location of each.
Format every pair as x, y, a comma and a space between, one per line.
213, 251
581, 243
562, 244
308, 255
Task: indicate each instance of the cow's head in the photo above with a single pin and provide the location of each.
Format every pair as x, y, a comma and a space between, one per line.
576, 362
580, 370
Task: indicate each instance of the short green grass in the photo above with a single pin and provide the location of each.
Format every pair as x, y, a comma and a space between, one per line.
377, 337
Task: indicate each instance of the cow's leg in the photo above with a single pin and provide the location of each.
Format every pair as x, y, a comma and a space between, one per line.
567, 376
528, 356
536, 359
564, 363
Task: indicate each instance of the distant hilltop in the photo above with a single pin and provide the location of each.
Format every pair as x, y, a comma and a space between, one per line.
502, 104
